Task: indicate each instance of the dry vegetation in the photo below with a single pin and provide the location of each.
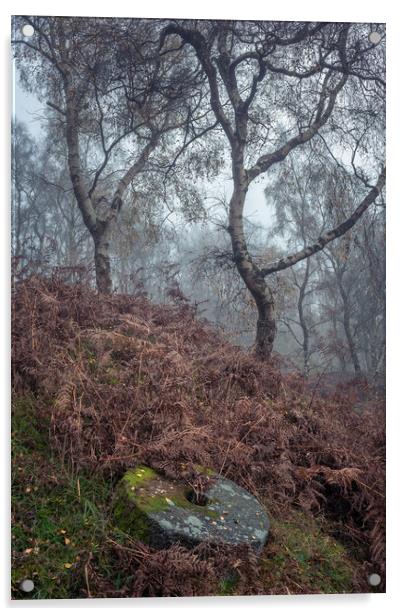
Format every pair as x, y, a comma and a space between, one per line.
115, 381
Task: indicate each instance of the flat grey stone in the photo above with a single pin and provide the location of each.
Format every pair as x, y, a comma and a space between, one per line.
157, 511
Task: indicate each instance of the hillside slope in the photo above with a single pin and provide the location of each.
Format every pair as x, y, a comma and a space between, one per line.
101, 384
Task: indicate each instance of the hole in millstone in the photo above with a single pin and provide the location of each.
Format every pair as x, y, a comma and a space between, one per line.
196, 498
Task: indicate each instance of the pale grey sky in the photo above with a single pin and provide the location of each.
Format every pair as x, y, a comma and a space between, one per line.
26, 107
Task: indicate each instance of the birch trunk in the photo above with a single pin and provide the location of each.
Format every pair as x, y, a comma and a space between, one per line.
102, 259
347, 326
250, 273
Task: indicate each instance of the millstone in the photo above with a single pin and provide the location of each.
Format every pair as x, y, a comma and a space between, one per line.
161, 512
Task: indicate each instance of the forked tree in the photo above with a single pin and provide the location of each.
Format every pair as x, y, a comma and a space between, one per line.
114, 99
275, 87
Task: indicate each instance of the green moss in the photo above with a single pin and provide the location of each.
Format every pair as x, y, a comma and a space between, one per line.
135, 500
303, 554
130, 508
139, 476
227, 586
29, 430
131, 520
204, 470
58, 518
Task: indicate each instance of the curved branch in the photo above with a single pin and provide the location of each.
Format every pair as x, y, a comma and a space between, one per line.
199, 44
131, 173
330, 235
322, 116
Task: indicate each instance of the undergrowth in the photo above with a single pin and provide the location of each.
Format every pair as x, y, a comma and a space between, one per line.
101, 384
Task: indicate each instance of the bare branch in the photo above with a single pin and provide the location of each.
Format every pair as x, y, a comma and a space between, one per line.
330, 235
322, 116
56, 108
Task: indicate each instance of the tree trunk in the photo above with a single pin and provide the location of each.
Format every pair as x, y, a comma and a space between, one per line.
301, 313
351, 343
250, 273
103, 260
347, 326
265, 327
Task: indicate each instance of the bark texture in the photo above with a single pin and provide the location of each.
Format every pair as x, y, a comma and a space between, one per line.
102, 260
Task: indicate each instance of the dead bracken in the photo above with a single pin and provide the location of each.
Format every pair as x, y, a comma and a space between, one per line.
214, 406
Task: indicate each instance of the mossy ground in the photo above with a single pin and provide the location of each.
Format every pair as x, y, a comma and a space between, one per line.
301, 555
61, 519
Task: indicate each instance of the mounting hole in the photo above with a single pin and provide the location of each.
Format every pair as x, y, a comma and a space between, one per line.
196, 498
374, 38
27, 30
374, 579
27, 585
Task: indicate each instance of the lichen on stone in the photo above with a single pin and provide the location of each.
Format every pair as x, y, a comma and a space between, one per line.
142, 492
160, 512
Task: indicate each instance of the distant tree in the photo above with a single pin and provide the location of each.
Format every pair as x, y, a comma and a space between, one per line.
22, 169
348, 287
47, 227
370, 293
294, 194
33, 237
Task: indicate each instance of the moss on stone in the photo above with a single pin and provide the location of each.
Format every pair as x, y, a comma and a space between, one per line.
139, 475
131, 519
141, 493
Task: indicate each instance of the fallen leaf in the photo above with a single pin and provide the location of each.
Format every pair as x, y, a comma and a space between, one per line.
68, 565
67, 541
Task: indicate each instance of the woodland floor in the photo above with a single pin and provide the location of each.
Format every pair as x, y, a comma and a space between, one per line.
103, 384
